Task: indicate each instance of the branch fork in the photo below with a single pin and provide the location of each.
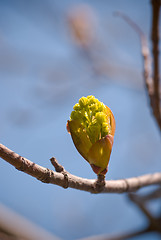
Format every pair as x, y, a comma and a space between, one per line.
60, 169
65, 179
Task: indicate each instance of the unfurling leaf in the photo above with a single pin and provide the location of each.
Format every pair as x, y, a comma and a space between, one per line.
92, 127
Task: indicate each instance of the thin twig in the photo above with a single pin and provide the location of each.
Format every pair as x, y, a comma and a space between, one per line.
65, 179
151, 83
154, 222
155, 194
136, 199
155, 51
57, 166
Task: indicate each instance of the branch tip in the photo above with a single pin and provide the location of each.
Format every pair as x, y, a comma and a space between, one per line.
58, 167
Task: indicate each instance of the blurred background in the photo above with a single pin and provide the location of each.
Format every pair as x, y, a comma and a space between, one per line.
51, 54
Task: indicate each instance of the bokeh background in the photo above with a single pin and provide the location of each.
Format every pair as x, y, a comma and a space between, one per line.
45, 67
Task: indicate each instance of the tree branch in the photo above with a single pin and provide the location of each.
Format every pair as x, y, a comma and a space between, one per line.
155, 51
151, 79
65, 179
155, 194
140, 201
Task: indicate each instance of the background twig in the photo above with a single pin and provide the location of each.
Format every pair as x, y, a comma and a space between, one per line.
140, 201
155, 41
151, 78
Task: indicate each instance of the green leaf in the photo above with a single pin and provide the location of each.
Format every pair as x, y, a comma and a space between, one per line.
99, 153
80, 137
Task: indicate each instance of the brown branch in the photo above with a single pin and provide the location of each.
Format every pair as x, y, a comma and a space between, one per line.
151, 83
136, 199
155, 194
155, 51
65, 179
154, 222
145, 53
57, 166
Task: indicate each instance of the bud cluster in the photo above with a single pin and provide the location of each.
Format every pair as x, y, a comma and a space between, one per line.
93, 116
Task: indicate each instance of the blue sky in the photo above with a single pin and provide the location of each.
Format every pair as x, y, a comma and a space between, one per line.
43, 73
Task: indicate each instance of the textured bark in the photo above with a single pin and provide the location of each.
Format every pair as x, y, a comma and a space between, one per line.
64, 179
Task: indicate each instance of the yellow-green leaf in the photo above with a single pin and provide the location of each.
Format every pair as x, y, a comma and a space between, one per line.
80, 137
99, 153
